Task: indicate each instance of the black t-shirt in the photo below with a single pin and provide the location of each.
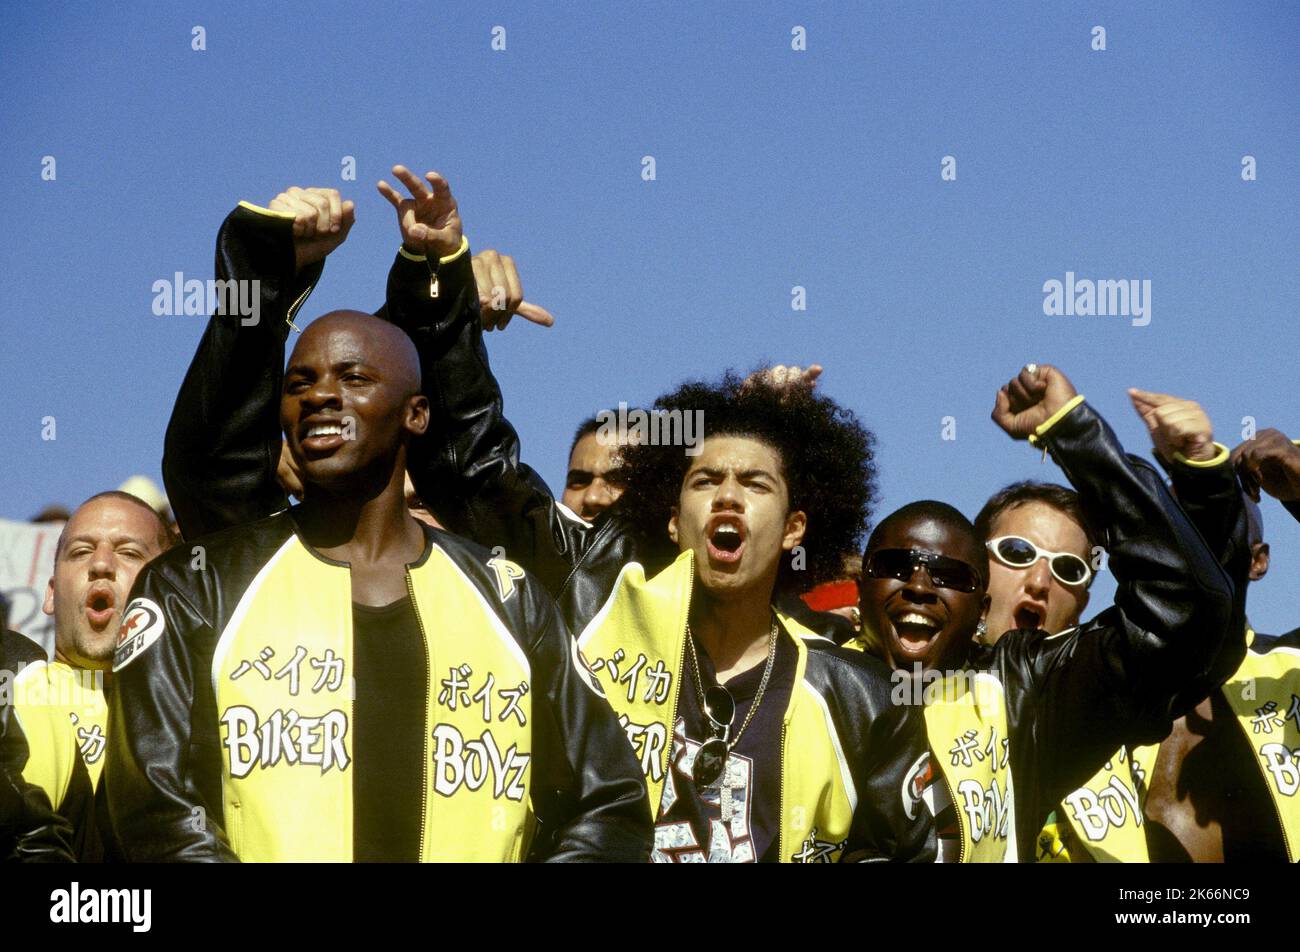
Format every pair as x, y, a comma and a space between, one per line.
388, 732
690, 827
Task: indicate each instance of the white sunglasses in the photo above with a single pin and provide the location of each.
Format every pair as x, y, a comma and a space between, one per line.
1019, 553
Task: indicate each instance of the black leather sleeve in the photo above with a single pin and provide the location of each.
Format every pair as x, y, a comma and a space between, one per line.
1125, 675
223, 440
30, 830
162, 770
468, 470
1214, 501
588, 790
886, 746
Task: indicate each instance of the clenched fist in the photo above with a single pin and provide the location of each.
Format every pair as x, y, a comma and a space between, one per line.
429, 219
321, 221
1030, 399
1270, 462
1176, 425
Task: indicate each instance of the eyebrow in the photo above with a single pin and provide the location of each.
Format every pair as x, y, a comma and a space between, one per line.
116, 541
338, 367
743, 474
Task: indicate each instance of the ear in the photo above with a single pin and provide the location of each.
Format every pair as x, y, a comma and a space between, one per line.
1259, 561
48, 606
417, 415
795, 524
672, 526
985, 604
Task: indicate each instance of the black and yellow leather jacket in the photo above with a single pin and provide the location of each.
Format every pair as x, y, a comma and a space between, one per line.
565, 785
30, 829
211, 759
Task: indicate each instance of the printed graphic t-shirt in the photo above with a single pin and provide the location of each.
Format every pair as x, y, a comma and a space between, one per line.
691, 827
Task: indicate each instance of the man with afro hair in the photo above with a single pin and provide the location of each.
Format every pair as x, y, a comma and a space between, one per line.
760, 740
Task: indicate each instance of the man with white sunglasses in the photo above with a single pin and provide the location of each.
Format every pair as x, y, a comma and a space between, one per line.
1041, 556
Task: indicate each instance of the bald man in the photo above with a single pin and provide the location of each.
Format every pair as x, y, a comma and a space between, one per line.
60, 703
338, 681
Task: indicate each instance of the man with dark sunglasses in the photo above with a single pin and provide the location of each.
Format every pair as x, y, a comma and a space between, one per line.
1014, 726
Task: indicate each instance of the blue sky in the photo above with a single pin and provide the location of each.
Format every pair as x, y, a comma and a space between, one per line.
774, 168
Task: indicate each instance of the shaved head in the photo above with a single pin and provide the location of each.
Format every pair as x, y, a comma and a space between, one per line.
385, 345
351, 402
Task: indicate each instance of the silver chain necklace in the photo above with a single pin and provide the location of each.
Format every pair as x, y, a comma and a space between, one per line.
762, 686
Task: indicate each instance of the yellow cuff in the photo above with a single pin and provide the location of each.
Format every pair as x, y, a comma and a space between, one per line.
1219, 459
265, 211
464, 246
1054, 419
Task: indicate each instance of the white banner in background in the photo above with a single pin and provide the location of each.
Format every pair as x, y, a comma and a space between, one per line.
26, 563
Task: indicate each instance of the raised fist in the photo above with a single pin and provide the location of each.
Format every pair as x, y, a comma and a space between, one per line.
1176, 425
1030, 399
321, 221
429, 220
1270, 462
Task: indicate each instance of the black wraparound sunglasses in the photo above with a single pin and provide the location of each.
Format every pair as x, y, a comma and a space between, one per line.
945, 572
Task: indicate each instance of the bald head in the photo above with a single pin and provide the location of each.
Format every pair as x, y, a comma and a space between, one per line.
375, 341
351, 403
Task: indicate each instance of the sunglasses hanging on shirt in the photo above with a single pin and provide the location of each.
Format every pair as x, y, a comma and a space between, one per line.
720, 708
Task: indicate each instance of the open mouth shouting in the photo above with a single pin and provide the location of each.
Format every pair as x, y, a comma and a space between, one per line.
1029, 614
101, 605
320, 435
726, 538
914, 632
